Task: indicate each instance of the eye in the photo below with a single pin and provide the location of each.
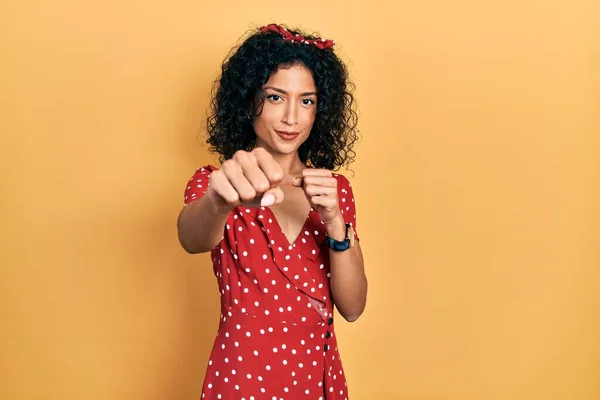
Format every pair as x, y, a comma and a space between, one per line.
307, 102
274, 97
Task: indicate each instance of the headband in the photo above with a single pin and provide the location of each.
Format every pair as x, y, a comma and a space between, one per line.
295, 38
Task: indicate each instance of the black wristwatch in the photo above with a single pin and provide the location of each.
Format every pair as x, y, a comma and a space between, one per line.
344, 244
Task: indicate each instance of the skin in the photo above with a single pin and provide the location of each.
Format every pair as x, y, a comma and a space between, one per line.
273, 175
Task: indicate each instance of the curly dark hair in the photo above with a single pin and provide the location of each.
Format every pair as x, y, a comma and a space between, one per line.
250, 65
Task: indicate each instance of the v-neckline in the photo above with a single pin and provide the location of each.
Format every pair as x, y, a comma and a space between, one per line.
302, 228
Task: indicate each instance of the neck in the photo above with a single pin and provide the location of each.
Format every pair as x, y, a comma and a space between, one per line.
290, 164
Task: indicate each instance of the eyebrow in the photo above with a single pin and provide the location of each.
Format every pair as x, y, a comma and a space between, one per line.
284, 92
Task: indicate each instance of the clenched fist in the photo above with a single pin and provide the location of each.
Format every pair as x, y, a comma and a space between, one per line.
320, 188
249, 178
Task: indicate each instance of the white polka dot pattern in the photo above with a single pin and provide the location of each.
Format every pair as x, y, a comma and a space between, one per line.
276, 336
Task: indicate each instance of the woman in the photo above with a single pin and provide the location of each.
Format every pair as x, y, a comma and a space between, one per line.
280, 226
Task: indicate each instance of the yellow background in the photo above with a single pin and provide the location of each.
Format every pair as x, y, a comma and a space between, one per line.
477, 183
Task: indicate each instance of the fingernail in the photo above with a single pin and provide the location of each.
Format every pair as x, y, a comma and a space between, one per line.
267, 200
297, 180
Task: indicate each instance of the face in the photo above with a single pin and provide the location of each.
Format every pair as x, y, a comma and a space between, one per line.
288, 112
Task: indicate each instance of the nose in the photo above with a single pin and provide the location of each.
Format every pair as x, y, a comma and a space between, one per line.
291, 114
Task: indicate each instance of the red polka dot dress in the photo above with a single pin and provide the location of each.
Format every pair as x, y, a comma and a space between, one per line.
276, 336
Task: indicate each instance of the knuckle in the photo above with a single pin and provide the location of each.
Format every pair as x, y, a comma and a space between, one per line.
247, 195
261, 186
231, 168
227, 165
277, 175
230, 197
240, 154
216, 179
232, 200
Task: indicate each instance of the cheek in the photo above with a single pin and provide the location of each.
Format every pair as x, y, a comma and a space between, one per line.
308, 116
269, 113
264, 120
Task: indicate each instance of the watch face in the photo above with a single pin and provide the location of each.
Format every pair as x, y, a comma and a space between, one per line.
351, 235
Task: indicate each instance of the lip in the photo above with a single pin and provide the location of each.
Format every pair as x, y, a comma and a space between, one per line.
286, 135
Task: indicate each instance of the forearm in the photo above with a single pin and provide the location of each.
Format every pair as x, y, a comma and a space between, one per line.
200, 224
348, 280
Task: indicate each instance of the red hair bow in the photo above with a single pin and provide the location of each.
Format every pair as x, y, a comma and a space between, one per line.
295, 38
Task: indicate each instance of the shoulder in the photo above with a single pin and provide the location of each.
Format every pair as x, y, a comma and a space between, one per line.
207, 169
344, 188
198, 184
204, 171
343, 182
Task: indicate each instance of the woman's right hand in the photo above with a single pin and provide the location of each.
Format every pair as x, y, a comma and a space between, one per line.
249, 178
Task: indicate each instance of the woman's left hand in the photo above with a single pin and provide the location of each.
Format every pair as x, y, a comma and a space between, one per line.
320, 188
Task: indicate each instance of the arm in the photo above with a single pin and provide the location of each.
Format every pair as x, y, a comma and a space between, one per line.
249, 178
348, 280
200, 224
